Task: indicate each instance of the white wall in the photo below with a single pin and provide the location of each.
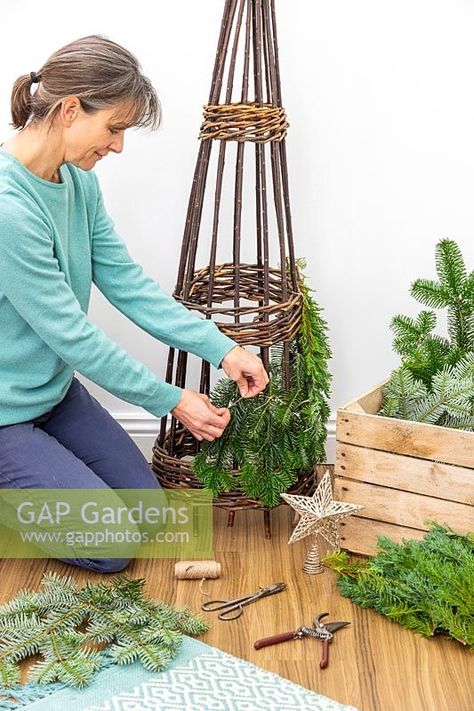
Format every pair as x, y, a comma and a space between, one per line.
381, 152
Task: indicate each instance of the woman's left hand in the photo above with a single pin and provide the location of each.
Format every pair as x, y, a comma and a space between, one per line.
247, 370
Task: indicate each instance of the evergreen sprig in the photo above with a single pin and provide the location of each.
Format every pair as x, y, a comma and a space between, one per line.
448, 402
280, 433
62, 622
425, 585
432, 384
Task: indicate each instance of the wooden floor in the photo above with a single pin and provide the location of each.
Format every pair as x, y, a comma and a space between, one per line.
374, 665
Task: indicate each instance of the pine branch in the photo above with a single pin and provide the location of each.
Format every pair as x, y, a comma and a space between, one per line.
411, 333
433, 383
426, 586
430, 293
454, 291
280, 433
62, 620
450, 266
450, 398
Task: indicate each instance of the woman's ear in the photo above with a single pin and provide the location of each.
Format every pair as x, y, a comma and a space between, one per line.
70, 110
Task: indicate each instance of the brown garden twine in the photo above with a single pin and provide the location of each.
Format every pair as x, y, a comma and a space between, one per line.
197, 569
244, 122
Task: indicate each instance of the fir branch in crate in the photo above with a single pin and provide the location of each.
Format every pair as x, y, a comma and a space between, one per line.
426, 586
448, 401
435, 382
275, 436
62, 622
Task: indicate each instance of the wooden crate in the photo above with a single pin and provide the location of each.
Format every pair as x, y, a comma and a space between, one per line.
402, 472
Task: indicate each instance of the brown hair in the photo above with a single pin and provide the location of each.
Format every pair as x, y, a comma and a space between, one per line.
99, 72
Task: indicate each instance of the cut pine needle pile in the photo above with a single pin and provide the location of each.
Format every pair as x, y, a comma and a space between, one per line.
63, 623
427, 585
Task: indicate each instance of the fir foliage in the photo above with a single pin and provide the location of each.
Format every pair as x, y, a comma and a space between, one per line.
64, 624
280, 433
435, 381
448, 402
425, 585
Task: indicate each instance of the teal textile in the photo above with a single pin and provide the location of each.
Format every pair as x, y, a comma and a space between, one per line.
200, 678
56, 239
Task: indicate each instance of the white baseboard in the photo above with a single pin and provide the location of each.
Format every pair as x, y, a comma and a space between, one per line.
144, 429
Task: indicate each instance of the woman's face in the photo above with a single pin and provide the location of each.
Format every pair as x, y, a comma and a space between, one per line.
89, 137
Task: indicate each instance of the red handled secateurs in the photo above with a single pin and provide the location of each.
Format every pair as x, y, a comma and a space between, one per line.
320, 630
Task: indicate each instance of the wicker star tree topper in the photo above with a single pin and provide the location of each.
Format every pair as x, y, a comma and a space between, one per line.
319, 515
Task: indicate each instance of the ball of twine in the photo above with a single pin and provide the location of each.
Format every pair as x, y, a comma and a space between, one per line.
197, 569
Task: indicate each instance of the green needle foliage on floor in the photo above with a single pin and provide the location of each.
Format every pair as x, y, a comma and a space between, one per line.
426, 585
63, 622
435, 382
280, 433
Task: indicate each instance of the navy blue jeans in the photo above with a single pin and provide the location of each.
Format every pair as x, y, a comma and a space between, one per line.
76, 445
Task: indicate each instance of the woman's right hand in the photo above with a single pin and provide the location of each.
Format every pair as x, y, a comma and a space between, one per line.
196, 412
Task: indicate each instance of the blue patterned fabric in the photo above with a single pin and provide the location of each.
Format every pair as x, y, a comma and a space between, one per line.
200, 678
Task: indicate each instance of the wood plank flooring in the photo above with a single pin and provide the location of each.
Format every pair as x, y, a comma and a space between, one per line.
375, 665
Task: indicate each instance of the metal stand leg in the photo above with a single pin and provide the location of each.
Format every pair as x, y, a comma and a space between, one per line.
267, 523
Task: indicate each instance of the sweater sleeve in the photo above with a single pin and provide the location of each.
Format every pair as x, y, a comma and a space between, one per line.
32, 281
124, 283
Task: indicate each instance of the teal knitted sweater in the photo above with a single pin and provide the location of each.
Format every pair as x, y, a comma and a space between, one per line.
55, 240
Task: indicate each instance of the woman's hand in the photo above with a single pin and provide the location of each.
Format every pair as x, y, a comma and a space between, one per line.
196, 412
247, 370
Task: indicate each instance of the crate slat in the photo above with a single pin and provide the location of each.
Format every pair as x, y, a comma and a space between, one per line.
402, 507
360, 534
369, 402
422, 476
404, 473
415, 439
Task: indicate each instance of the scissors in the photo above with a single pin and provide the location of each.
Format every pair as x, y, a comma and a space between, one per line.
229, 606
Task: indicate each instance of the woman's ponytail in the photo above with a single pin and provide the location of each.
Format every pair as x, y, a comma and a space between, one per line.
101, 73
21, 101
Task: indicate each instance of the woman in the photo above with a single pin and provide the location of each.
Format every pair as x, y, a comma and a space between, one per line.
55, 239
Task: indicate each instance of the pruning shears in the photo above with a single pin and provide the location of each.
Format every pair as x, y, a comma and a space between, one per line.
320, 630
